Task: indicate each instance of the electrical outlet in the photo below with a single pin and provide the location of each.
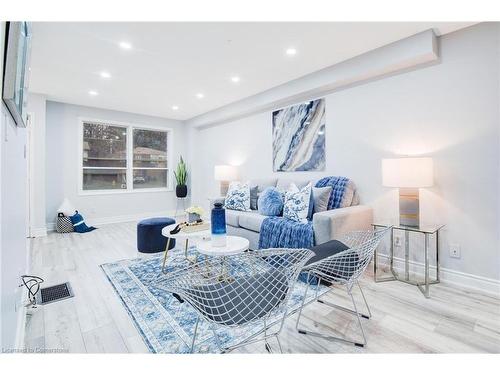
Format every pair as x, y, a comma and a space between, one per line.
398, 241
454, 250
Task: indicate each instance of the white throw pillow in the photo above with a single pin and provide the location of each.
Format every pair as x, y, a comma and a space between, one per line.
296, 205
238, 197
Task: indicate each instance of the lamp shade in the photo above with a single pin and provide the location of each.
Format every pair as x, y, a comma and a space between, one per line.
225, 173
407, 172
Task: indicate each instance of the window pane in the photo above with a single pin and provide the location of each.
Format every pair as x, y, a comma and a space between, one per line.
150, 178
104, 145
150, 148
104, 179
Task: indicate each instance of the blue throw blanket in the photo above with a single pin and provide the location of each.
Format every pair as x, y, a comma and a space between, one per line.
79, 225
277, 232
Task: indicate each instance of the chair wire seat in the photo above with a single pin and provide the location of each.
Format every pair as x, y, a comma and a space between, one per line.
238, 290
345, 268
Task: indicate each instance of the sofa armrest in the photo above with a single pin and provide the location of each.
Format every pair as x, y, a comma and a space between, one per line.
333, 224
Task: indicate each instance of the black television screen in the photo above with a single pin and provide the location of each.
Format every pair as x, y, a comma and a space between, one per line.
16, 69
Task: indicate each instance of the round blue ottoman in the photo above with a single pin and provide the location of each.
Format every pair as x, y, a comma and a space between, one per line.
149, 237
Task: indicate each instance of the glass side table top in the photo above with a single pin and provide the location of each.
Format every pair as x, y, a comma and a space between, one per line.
429, 228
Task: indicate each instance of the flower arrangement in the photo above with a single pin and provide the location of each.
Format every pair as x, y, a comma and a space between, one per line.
194, 213
195, 210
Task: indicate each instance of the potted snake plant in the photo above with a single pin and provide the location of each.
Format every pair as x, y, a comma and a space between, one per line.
181, 177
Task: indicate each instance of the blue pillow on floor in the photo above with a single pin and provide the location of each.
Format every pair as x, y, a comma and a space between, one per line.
79, 225
270, 202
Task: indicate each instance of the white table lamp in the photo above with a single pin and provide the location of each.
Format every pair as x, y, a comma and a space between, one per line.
408, 174
225, 174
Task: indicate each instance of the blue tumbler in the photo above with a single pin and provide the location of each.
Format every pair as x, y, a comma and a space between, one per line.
218, 223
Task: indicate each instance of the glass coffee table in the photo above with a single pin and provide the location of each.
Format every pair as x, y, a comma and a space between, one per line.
428, 231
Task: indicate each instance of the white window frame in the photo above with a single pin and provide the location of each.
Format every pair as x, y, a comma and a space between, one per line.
130, 158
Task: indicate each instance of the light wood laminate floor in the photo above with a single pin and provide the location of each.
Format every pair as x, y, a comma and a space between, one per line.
453, 320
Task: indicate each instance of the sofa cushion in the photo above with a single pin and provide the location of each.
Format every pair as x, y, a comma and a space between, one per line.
296, 206
251, 220
348, 197
342, 191
257, 186
321, 196
238, 197
284, 184
232, 217
254, 196
271, 202
243, 301
326, 249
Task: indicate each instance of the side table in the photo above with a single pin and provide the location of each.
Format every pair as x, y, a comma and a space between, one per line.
427, 231
186, 236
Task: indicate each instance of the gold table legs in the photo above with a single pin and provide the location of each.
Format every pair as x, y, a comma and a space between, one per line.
165, 256
186, 246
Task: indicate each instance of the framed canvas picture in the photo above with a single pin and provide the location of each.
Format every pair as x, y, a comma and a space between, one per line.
299, 137
16, 70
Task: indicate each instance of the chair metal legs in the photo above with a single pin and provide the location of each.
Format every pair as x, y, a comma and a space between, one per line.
366, 316
194, 333
250, 340
354, 312
364, 299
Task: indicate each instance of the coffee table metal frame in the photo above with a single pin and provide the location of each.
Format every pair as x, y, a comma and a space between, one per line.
202, 234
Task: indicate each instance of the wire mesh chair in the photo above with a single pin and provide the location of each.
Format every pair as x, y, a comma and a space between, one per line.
239, 290
345, 268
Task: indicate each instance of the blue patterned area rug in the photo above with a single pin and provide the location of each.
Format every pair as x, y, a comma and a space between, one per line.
165, 324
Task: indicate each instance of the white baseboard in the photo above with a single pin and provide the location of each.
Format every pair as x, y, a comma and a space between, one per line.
449, 276
119, 218
21, 323
39, 232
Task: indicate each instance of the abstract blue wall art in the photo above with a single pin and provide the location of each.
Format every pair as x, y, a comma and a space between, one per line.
299, 137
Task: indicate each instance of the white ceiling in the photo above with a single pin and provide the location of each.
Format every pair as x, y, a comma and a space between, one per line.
171, 62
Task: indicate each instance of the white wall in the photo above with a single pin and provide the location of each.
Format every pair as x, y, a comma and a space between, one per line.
36, 108
13, 250
62, 171
448, 111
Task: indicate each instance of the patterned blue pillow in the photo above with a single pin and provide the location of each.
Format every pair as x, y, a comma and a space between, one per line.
238, 197
270, 202
296, 206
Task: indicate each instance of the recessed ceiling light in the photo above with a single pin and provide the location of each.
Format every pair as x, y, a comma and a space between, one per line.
175, 107
200, 95
105, 75
235, 79
93, 93
125, 45
291, 51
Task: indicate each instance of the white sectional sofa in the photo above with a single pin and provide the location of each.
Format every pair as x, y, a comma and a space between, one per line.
327, 225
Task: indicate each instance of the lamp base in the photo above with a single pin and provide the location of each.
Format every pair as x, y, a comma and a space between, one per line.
409, 211
224, 187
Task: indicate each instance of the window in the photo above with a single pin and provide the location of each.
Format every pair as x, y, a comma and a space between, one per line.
123, 157
150, 159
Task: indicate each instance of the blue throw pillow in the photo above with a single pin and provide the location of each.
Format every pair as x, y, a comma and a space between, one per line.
270, 202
